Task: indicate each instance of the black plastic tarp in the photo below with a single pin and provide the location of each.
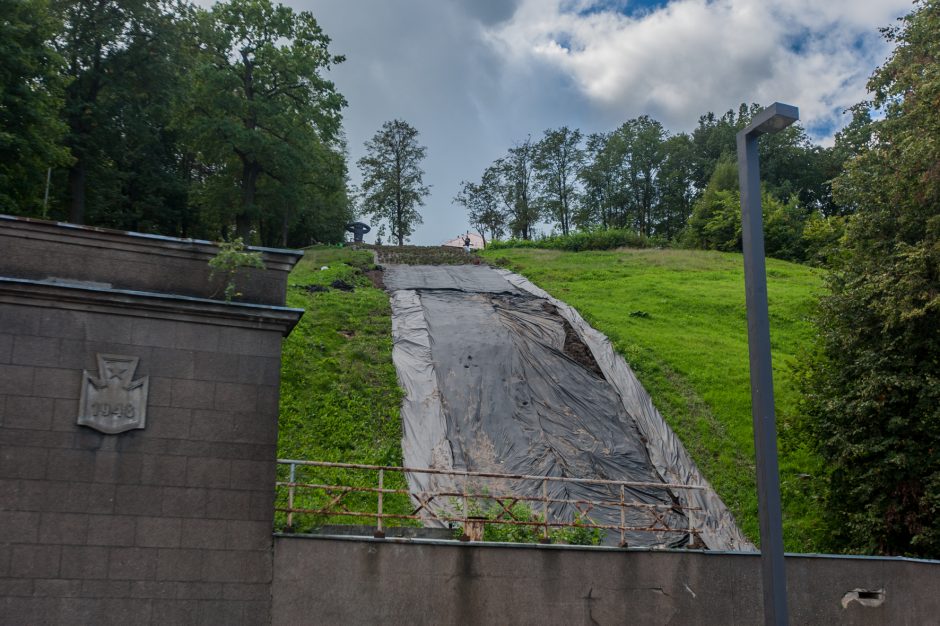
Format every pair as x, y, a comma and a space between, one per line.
490, 388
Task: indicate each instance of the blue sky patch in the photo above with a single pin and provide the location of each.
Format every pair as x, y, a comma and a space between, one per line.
630, 8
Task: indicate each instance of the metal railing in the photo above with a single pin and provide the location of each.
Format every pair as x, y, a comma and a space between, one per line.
460, 500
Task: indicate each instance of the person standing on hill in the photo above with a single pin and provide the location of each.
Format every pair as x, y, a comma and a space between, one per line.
466, 244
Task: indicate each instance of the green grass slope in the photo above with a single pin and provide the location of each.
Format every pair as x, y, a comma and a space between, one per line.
678, 317
339, 391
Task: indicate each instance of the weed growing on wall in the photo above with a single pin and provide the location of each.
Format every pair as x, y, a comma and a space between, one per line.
229, 261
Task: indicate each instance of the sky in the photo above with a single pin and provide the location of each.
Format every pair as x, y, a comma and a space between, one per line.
476, 76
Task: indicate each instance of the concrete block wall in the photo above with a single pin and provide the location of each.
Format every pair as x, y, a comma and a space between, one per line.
170, 524
366, 581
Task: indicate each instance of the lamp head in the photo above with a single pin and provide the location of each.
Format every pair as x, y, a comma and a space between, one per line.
773, 119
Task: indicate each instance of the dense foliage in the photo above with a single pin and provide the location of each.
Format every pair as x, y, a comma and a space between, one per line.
160, 116
873, 384
678, 188
31, 94
599, 239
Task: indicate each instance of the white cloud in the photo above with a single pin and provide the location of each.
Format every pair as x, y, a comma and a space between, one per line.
692, 56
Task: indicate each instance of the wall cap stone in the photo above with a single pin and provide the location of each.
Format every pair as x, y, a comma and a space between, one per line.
274, 258
85, 297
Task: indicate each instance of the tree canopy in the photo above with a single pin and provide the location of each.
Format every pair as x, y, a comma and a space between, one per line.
158, 116
872, 401
31, 94
393, 186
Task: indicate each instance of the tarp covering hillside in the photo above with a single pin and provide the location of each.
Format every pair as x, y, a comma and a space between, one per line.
490, 387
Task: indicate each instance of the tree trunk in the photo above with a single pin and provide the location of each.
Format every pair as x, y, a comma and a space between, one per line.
77, 192
243, 220
285, 227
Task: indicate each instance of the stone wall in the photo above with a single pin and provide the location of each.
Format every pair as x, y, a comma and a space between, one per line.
365, 581
166, 524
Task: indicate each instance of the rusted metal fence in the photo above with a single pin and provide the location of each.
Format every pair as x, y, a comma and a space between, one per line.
474, 500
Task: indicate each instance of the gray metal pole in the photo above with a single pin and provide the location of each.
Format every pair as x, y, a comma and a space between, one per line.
772, 119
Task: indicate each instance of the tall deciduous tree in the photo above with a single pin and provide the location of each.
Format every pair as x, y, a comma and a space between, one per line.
873, 390
558, 162
638, 147
393, 184
517, 177
676, 193
95, 34
261, 107
484, 204
30, 97
599, 182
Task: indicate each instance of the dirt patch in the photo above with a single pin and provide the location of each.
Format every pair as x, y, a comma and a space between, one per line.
376, 277
342, 285
425, 255
574, 348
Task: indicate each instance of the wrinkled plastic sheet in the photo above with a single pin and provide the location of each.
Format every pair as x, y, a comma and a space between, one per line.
489, 388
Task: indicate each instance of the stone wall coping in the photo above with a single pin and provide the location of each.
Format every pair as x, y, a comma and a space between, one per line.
161, 245
568, 548
86, 296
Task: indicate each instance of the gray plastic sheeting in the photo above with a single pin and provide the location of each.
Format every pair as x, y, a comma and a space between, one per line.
489, 388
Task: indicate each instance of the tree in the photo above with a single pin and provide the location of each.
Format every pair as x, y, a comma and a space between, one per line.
872, 399
95, 34
393, 184
638, 146
676, 191
598, 178
483, 204
558, 161
715, 223
30, 97
144, 167
517, 178
261, 111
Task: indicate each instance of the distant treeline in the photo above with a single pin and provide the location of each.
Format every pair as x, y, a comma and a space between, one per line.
677, 188
159, 116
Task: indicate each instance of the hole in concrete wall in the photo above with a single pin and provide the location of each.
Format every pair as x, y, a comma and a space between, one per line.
866, 597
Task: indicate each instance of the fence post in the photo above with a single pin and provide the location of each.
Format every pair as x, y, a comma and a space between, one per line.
379, 533
545, 538
623, 520
290, 498
465, 535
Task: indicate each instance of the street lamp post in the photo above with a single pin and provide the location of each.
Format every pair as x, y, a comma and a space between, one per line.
774, 118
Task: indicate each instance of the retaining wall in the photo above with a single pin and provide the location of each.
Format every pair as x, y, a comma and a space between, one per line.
364, 581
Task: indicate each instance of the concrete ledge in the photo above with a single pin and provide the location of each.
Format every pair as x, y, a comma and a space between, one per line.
39, 249
84, 297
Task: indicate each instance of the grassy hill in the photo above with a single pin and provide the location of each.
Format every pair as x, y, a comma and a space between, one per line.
339, 391
677, 316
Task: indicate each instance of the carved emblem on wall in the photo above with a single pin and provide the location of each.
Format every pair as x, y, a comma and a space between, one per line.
112, 401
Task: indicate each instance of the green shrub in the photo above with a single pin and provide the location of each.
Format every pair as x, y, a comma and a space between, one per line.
230, 259
579, 241
525, 533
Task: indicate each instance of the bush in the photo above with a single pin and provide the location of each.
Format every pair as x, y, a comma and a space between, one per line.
580, 241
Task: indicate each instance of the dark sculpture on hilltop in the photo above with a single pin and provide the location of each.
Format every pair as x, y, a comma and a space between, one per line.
358, 229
